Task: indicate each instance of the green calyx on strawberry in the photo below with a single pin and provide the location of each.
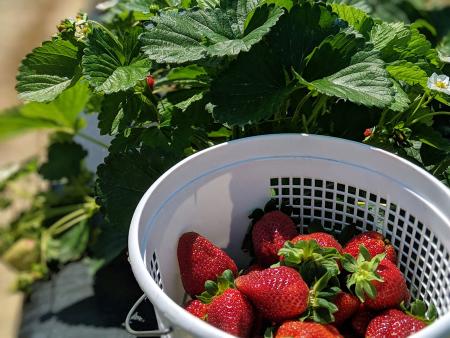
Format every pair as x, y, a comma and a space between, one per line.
363, 271
320, 300
216, 288
228, 309
419, 310
310, 259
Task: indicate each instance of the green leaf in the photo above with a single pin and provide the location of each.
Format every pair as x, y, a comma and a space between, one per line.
401, 100
356, 17
63, 160
196, 34
13, 123
338, 50
408, 72
110, 65
64, 111
432, 138
208, 3
365, 83
69, 246
300, 31
47, 71
118, 111
253, 88
122, 180
386, 35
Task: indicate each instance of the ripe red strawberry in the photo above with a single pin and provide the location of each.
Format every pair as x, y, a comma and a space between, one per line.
278, 293
377, 278
361, 320
393, 323
297, 329
347, 306
150, 82
374, 242
392, 291
200, 260
322, 238
269, 234
232, 313
197, 308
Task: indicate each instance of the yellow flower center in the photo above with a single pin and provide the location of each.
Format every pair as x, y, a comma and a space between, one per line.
441, 84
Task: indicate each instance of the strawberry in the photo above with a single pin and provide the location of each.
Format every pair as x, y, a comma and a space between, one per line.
361, 320
269, 234
378, 278
374, 242
322, 238
396, 323
150, 82
393, 323
278, 293
228, 309
392, 291
347, 306
311, 260
232, 313
197, 308
200, 260
297, 329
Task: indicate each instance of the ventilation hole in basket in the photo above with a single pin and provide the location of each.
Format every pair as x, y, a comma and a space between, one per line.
422, 258
154, 270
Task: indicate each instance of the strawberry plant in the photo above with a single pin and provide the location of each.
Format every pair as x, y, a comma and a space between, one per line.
169, 78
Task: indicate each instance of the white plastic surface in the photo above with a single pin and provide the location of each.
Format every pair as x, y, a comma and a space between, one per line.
327, 179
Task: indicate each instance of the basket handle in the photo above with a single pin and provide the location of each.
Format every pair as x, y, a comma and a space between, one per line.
152, 333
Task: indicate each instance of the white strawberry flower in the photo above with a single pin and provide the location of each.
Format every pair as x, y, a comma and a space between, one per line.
440, 83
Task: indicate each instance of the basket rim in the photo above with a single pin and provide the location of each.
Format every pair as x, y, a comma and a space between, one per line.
170, 308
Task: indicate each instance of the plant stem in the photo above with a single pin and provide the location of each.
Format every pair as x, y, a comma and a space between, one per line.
68, 225
296, 116
382, 118
320, 104
54, 227
422, 99
53, 212
93, 140
430, 114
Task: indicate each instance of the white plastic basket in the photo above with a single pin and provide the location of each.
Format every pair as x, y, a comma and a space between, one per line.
331, 180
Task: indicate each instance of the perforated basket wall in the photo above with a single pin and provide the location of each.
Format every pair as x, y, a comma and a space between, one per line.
323, 179
422, 258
